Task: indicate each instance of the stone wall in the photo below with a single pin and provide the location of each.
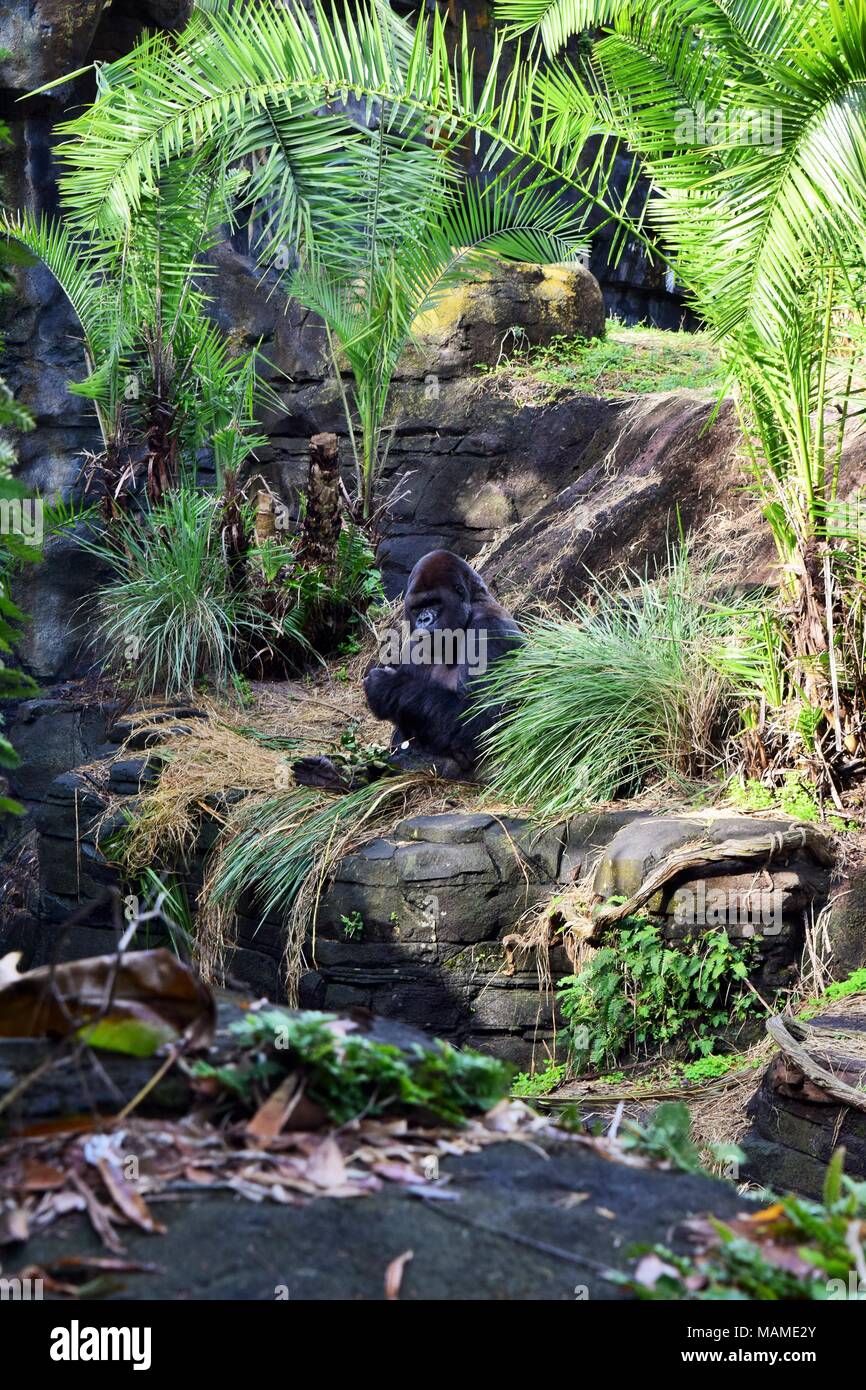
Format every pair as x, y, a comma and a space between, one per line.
412, 925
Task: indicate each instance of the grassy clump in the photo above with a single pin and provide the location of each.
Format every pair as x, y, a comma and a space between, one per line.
349, 1074
626, 361
170, 615
175, 613
641, 991
623, 694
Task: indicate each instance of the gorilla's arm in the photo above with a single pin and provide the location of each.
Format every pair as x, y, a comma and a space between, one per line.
431, 713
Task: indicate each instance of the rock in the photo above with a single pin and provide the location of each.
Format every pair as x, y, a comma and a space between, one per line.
511, 1233
662, 460
846, 927
52, 734
505, 311
796, 1128
45, 39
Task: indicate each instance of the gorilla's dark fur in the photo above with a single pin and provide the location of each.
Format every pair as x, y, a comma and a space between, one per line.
428, 703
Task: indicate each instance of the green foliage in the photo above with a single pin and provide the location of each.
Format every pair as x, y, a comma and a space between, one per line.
642, 991
667, 1138
14, 684
793, 796
170, 616
623, 694
626, 361
164, 380
353, 925
349, 1074
541, 1082
324, 604
801, 1250
371, 221
854, 984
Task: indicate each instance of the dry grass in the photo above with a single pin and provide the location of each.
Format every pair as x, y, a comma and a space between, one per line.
385, 803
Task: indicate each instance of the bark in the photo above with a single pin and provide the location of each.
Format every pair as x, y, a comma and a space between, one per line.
323, 521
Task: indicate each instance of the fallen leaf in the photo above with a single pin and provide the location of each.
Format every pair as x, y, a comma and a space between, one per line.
129, 1202
270, 1118
41, 1177
135, 1001
398, 1172
100, 1216
766, 1214
394, 1275
325, 1166
571, 1199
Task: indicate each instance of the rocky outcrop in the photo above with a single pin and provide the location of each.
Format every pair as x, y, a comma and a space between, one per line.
412, 926
660, 464
507, 310
797, 1126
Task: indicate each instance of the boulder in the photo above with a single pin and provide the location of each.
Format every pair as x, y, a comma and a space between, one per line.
507, 310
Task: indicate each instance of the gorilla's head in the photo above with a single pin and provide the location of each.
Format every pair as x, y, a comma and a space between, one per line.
441, 591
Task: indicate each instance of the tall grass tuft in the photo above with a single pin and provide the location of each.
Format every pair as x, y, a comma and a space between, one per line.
623, 694
281, 851
170, 615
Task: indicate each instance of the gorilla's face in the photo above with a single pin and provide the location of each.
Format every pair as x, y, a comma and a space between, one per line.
439, 595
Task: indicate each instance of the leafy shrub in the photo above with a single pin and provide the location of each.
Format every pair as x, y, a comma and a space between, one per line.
623, 694
541, 1082
793, 1249
644, 990
326, 605
350, 1073
170, 613
175, 613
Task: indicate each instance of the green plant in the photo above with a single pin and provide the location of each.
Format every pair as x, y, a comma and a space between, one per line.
642, 990
749, 124
622, 694
350, 1074
170, 615
667, 1137
14, 684
795, 1249
353, 925
539, 1083
166, 894
164, 380
625, 361
369, 221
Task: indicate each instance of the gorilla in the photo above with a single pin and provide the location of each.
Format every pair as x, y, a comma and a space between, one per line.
456, 631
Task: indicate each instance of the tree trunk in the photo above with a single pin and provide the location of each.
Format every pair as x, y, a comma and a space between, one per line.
323, 520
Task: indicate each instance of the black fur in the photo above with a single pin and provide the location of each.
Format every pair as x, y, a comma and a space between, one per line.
428, 703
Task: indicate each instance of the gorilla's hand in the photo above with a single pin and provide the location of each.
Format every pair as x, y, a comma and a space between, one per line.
382, 686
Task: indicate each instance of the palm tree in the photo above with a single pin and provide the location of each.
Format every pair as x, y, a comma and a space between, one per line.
341, 129
765, 235
160, 376
748, 118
